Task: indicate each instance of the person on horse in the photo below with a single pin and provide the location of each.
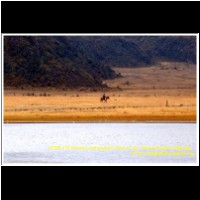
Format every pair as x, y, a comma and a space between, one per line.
104, 96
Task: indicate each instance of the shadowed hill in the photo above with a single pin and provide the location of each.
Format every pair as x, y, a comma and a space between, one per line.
63, 61
136, 51
114, 51
50, 61
176, 48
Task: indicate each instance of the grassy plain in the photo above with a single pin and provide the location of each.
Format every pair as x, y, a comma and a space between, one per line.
166, 92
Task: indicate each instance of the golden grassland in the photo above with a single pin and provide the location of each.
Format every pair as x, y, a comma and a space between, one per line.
159, 93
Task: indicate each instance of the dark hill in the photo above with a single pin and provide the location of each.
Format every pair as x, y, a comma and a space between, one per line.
176, 48
63, 61
113, 51
50, 61
134, 51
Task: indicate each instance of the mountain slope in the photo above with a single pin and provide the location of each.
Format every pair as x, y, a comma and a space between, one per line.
63, 61
176, 48
49, 61
113, 51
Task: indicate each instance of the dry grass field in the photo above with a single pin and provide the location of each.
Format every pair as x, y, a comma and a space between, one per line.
166, 92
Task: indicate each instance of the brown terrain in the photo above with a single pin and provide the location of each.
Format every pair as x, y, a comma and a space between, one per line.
165, 92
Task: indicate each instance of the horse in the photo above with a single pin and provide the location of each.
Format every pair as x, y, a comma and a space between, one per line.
104, 99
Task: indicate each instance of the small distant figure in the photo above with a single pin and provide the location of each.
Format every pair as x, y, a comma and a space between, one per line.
104, 98
167, 105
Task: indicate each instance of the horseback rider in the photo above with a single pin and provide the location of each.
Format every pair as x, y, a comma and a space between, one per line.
104, 98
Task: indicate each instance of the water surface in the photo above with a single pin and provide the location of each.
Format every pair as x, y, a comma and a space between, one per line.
30, 143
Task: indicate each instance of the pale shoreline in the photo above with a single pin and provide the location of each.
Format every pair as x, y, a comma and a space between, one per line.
99, 122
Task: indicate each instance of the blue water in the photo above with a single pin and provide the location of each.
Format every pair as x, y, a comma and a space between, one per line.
30, 143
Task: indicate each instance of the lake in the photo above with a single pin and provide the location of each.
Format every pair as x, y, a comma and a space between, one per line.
99, 142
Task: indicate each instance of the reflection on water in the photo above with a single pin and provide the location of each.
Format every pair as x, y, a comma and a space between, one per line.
29, 143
